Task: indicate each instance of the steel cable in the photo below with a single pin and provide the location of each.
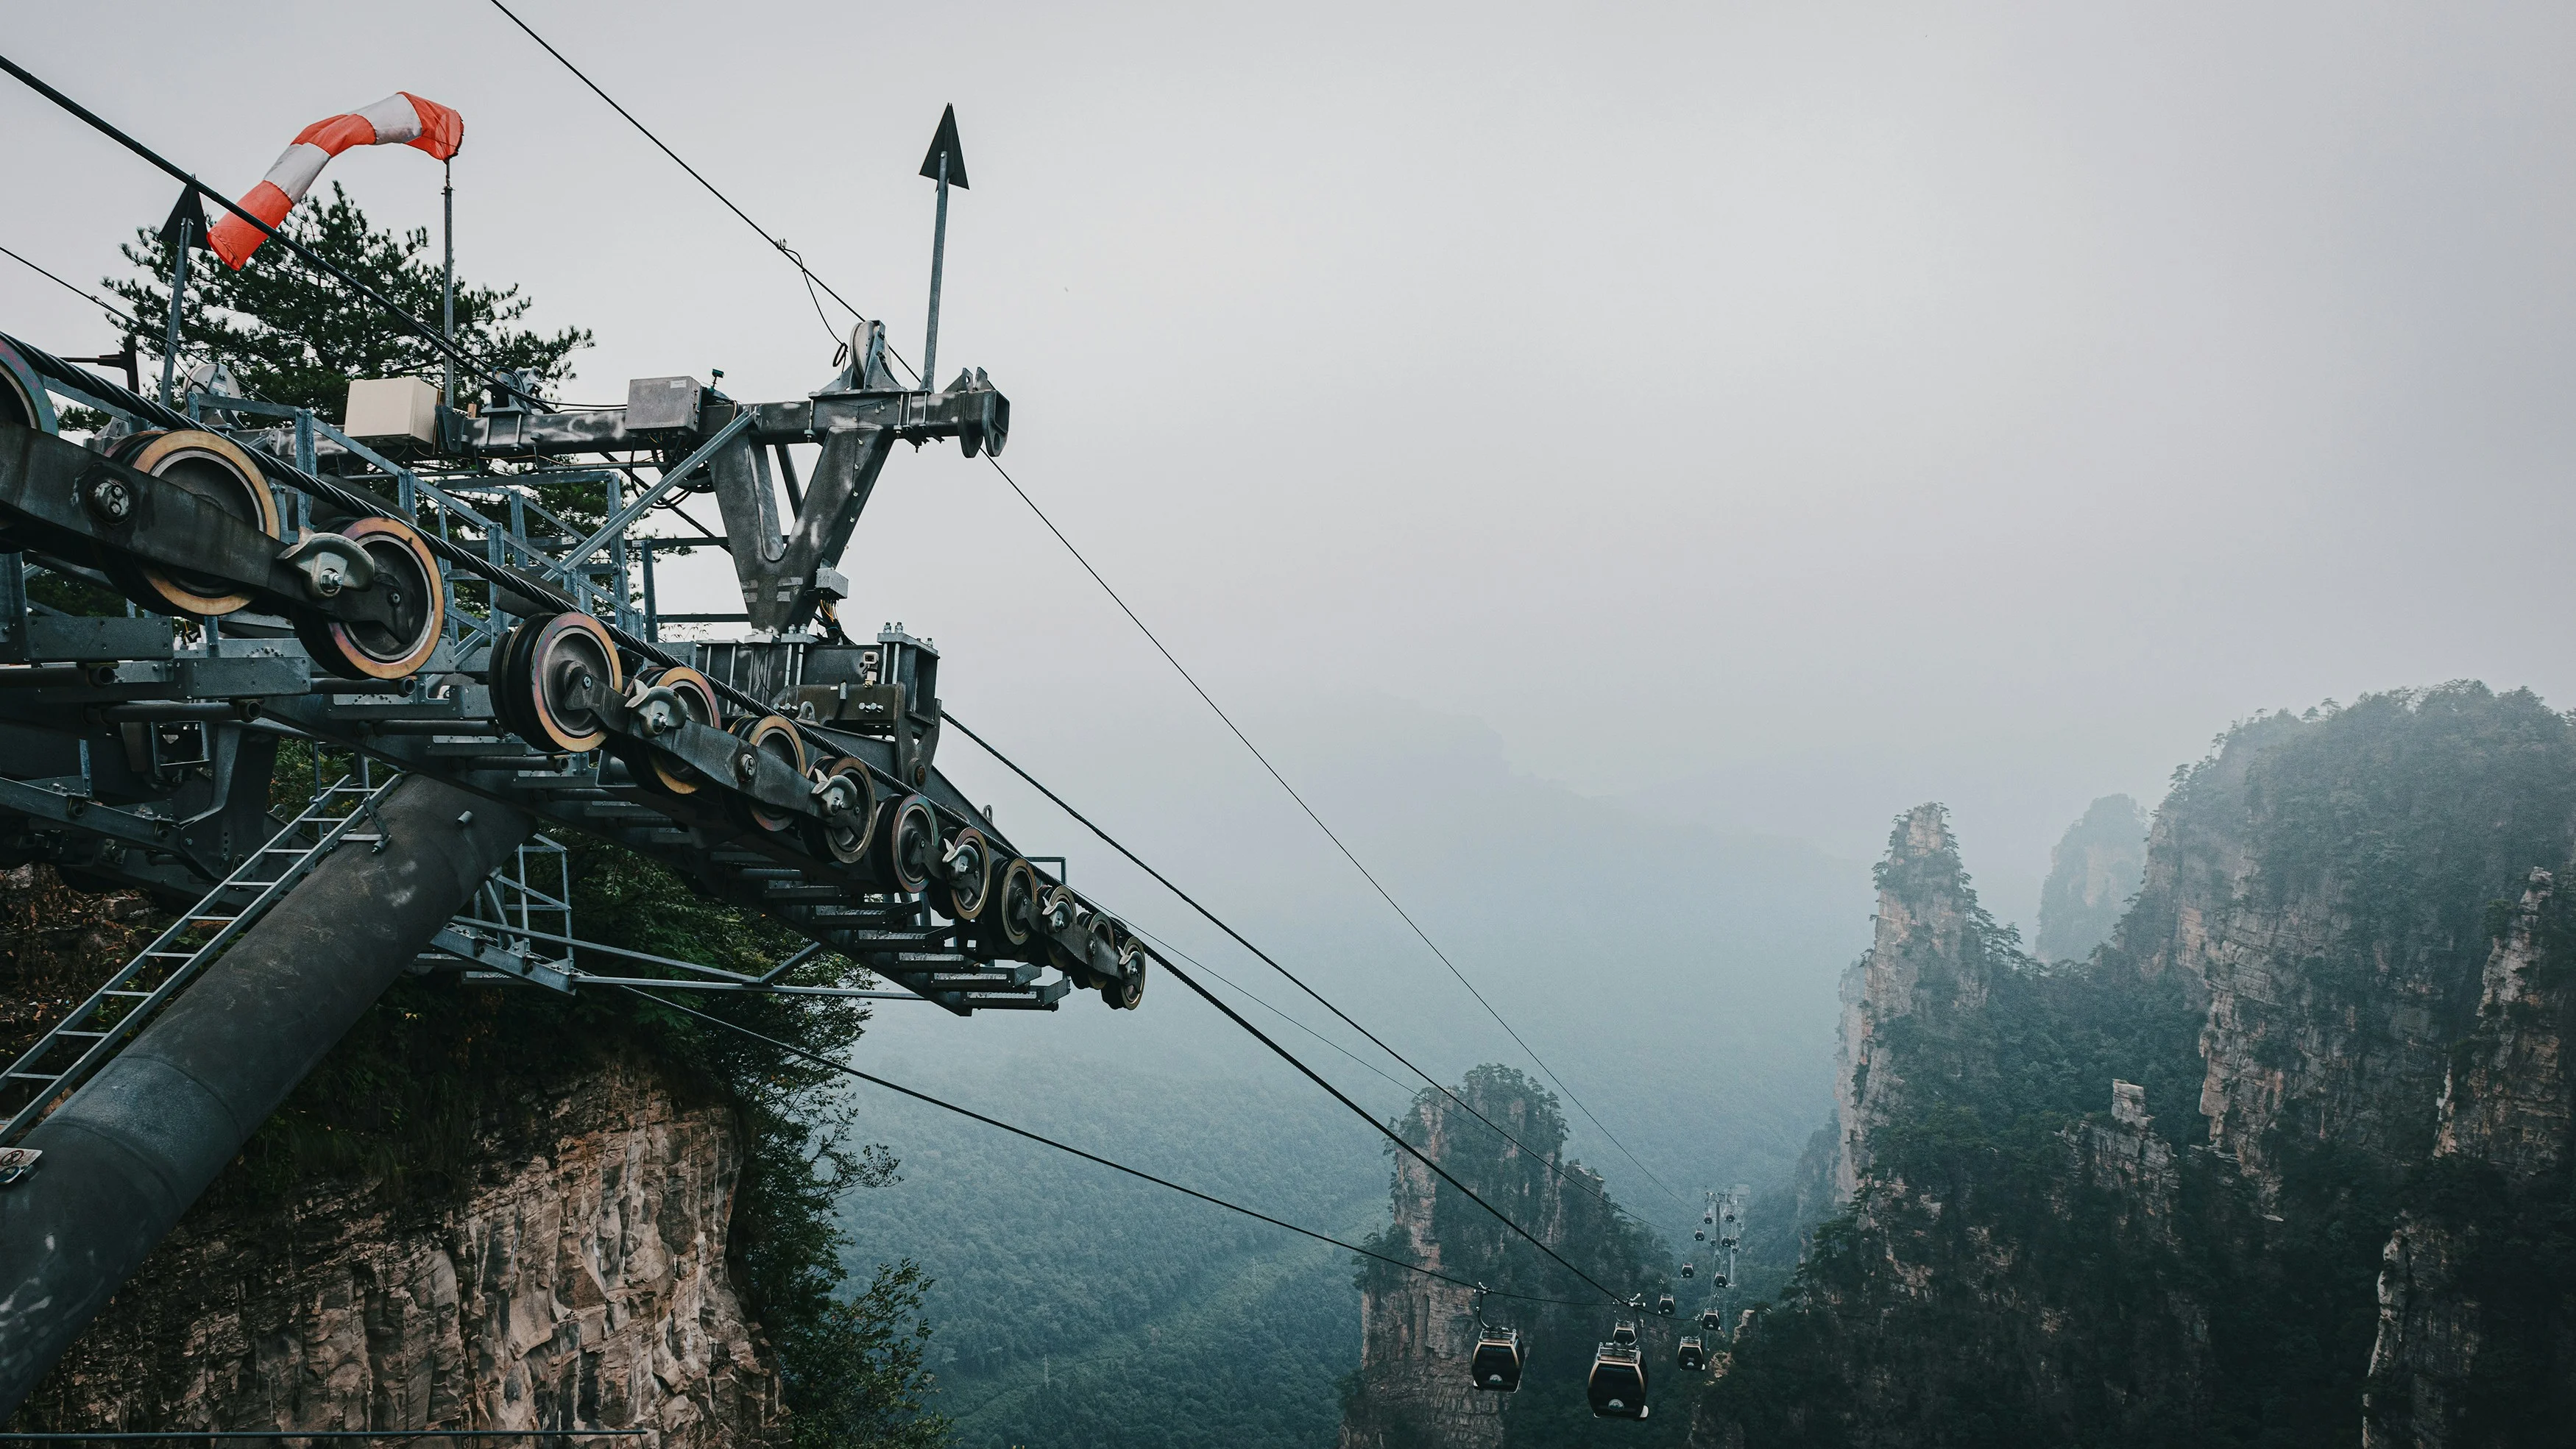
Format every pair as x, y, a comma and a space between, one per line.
1282, 1052
1364, 871
1043, 1140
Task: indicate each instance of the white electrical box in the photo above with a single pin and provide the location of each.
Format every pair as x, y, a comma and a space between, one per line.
392, 407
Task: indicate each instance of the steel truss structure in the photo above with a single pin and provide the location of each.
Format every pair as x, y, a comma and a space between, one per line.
424, 604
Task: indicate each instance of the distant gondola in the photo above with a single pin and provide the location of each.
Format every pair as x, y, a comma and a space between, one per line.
1687, 1270
1617, 1387
1664, 1305
1693, 1356
1498, 1359
1709, 1320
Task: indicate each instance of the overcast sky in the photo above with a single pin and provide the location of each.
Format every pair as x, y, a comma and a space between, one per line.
1779, 414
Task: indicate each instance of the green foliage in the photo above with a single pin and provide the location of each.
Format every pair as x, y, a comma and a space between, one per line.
2252, 1320
295, 336
855, 1370
1590, 1230
1078, 1307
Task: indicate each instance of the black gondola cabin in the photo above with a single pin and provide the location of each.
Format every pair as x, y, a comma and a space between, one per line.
1497, 1360
1617, 1387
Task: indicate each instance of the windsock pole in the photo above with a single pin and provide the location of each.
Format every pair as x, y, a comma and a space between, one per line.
178, 304
184, 231
447, 285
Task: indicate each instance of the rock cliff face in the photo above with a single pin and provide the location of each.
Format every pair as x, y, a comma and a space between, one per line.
581, 1282
2317, 925
2477, 1303
1960, 1252
1417, 1332
2092, 872
574, 1275
1412, 1390
1928, 967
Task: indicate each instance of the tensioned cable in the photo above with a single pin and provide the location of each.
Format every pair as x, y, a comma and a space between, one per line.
1283, 1053
1299, 982
1169, 949
1364, 871
1045, 1141
92, 298
779, 242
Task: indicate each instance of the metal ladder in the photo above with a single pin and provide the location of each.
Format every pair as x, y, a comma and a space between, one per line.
99, 1027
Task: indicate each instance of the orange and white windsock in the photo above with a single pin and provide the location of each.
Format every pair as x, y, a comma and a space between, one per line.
399, 119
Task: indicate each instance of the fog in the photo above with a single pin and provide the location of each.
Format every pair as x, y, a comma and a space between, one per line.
1750, 419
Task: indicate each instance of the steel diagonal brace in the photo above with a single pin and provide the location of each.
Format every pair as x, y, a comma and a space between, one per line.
671, 478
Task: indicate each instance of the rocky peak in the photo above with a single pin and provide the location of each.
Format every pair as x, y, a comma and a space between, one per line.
2092, 871
1931, 949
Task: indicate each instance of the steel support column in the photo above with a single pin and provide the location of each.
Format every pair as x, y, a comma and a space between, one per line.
133, 1149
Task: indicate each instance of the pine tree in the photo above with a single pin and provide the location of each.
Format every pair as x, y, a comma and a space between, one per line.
294, 336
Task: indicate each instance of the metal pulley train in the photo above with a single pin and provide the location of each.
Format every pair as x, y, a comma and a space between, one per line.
399, 588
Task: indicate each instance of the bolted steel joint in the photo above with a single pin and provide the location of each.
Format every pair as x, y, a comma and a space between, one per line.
746, 765
109, 497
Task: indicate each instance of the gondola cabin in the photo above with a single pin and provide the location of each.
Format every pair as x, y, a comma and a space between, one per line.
1497, 1361
1617, 1387
1664, 1305
1709, 1320
1688, 1269
1693, 1357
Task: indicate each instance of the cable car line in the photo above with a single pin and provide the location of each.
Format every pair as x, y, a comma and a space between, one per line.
1043, 1140
93, 299
1283, 1053
1167, 947
1240, 939
811, 281
1365, 873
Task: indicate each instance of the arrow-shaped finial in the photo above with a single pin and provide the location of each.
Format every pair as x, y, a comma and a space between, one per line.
191, 212
945, 143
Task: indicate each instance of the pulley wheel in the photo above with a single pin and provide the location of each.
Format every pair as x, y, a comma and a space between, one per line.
1126, 994
1108, 932
407, 580
1017, 901
215, 469
504, 667
773, 735
962, 881
1061, 901
656, 769
845, 837
907, 846
555, 673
